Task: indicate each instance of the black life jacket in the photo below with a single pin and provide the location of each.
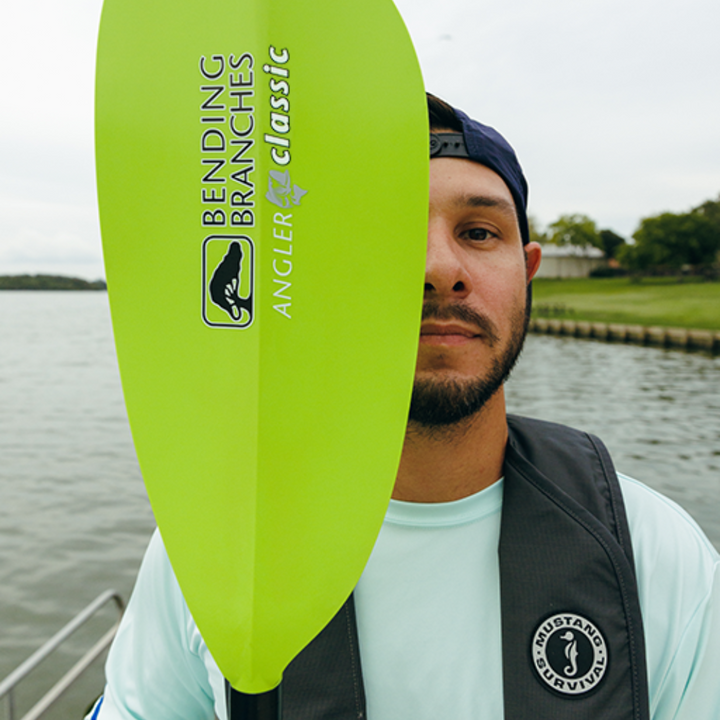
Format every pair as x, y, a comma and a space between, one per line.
573, 645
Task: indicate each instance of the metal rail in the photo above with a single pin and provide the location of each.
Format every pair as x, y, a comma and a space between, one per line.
7, 686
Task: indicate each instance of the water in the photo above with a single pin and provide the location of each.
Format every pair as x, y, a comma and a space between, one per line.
74, 518
658, 411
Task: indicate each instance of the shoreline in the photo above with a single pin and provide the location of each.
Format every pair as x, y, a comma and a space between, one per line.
49, 282
670, 337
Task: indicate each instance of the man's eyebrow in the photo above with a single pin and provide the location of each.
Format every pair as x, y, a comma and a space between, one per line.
488, 201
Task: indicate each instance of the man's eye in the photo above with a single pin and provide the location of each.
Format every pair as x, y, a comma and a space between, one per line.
478, 234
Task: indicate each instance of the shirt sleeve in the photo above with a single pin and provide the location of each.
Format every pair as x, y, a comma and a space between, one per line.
697, 684
678, 572
158, 666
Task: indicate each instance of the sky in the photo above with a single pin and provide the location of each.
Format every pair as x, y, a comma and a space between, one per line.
613, 107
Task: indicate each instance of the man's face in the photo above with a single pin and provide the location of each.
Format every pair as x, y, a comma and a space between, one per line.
475, 293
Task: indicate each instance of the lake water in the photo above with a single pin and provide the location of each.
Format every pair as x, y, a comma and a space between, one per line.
74, 519
657, 410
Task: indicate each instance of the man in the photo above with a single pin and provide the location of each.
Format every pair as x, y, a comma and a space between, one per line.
568, 620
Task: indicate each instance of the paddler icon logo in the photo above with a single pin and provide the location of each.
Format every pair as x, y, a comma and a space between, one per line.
569, 654
228, 281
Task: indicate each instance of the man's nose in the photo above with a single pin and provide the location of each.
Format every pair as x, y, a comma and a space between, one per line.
445, 271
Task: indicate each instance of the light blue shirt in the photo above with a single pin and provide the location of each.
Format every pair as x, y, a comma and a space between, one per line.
428, 608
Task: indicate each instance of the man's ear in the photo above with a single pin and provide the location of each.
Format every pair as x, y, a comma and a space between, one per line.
533, 255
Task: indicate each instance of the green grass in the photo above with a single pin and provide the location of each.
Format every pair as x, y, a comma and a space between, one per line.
668, 302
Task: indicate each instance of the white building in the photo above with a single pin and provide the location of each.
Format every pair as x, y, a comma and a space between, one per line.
568, 261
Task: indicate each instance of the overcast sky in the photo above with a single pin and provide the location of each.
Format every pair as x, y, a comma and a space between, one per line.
612, 105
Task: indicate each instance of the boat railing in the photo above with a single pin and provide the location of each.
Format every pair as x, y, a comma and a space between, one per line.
7, 686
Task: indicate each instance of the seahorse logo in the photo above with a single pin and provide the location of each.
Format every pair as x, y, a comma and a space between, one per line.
569, 653
228, 272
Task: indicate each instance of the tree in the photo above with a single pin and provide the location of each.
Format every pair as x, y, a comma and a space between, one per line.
578, 230
610, 243
672, 241
711, 210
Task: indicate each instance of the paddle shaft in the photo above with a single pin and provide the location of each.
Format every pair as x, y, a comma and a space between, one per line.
263, 706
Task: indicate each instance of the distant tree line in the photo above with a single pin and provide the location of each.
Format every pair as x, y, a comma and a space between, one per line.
662, 244
48, 282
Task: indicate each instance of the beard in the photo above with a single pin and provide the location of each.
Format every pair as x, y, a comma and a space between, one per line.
439, 403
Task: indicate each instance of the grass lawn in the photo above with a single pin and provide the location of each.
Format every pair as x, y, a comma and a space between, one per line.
668, 302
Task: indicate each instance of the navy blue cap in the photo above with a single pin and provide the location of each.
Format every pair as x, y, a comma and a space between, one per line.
488, 147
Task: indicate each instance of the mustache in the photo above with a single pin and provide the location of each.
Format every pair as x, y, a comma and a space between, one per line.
433, 310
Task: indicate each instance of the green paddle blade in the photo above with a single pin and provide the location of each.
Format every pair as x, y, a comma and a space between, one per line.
262, 177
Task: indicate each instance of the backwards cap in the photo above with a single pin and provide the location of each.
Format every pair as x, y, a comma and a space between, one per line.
486, 146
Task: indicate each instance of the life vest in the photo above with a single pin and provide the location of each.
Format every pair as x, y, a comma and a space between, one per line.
573, 645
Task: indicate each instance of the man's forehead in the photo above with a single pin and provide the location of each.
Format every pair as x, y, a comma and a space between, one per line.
475, 184
496, 202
